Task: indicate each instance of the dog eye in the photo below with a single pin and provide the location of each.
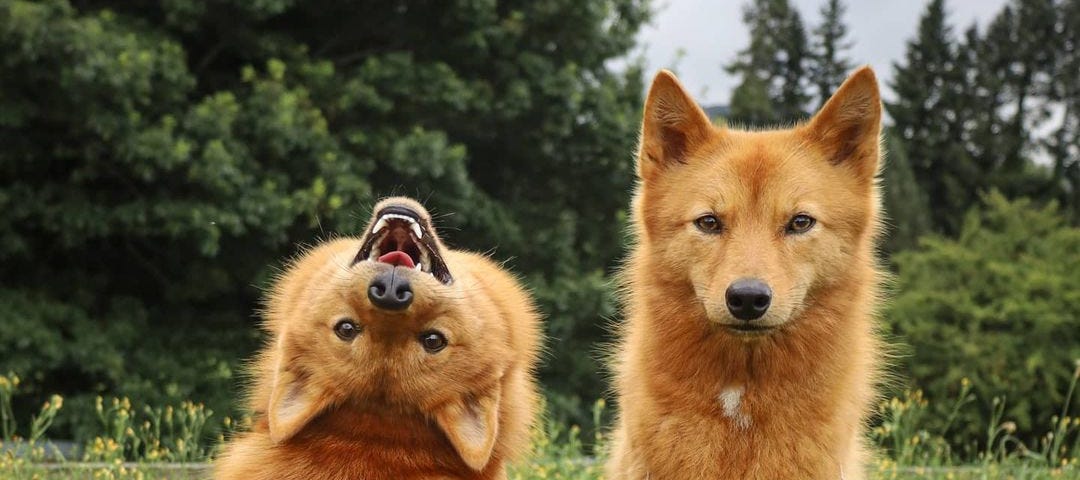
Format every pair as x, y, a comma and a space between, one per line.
801, 223
346, 329
708, 224
433, 341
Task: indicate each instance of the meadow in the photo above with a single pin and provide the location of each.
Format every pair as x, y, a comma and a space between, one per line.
174, 442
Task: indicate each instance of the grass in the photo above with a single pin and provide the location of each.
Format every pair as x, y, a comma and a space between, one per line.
172, 442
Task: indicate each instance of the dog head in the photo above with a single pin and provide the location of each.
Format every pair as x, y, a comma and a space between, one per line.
385, 325
755, 221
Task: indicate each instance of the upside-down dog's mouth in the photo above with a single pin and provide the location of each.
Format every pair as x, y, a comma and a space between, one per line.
402, 237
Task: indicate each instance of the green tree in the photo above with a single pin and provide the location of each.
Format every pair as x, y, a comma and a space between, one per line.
905, 205
988, 143
972, 111
1021, 48
1063, 145
751, 104
773, 68
1000, 304
161, 159
828, 66
925, 118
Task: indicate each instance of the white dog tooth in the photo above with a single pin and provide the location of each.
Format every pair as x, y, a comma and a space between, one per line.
381, 224
419, 267
416, 230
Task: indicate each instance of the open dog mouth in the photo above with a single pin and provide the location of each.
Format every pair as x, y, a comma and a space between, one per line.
401, 237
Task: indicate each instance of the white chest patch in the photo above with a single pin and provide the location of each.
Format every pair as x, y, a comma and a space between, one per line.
731, 401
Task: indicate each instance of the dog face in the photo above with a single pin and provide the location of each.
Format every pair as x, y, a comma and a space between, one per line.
754, 222
386, 326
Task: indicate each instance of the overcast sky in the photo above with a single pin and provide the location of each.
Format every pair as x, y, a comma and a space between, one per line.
711, 32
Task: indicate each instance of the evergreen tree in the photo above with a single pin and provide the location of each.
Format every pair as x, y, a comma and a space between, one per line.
903, 199
773, 68
750, 102
793, 71
988, 143
926, 120
829, 67
1002, 96
1064, 143
1029, 63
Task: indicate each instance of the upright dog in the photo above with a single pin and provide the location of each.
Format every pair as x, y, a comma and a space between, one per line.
391, 357
750, 351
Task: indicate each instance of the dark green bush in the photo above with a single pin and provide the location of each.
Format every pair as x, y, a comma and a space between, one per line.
1000, 305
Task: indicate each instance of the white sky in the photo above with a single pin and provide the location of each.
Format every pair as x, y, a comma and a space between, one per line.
711, 32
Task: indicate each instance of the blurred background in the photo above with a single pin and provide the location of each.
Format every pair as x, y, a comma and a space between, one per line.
161, 160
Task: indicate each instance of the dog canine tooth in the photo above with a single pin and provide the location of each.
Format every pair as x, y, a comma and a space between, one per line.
419, 266
381, 224
416, 230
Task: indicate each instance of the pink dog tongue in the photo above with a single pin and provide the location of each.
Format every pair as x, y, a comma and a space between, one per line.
398, 258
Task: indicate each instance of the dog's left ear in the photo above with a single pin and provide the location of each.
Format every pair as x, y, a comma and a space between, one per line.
295, 400
848, 126
471, 425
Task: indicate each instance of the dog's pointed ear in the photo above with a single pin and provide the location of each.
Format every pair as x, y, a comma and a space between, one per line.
294, 399
672, 126
471, 425
848, 126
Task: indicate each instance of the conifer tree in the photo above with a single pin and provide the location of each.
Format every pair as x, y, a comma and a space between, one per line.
903, 199
773, 68
925, 118
1006, 81
829, 67
1064, 143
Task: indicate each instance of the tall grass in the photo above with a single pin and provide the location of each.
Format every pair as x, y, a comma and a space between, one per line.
144, 442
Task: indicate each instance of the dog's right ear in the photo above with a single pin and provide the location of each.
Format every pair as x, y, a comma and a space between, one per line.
295, 400
472, 425
673, 125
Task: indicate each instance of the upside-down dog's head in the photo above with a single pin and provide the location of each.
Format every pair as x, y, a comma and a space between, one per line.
755, 222
383, 325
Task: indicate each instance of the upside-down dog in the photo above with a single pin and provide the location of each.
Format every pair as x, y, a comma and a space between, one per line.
390, 357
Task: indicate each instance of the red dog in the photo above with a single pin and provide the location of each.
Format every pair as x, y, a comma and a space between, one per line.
391, 357
750, 349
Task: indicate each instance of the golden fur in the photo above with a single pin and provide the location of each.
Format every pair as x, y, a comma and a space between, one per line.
381, 407
699, 399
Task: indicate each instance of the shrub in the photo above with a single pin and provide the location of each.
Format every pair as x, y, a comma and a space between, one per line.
999, 304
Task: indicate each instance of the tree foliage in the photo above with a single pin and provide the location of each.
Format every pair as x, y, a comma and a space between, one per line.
1063, 145
903, 199
1000, 305
773, 68
829, 67
926, 119
162, 158
974, 111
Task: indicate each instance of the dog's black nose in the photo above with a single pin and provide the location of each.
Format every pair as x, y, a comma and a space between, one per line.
748, 298
390, 291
